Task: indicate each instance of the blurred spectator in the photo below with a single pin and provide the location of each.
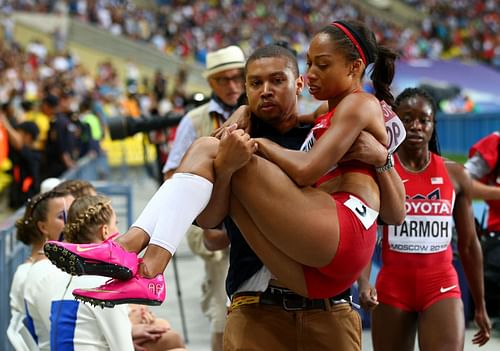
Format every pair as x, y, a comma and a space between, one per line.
92, 134
130, 105
25, 161
40, 119
160, 85
61, 140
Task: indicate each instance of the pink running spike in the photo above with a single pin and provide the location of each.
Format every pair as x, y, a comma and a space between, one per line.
140, 290
106, 259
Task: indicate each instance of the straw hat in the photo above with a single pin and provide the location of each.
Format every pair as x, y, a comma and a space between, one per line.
224, 59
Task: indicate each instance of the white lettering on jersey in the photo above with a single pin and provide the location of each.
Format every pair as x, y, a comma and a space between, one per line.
395, 128
427, 227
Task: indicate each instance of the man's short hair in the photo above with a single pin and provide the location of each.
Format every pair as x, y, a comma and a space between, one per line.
273, 50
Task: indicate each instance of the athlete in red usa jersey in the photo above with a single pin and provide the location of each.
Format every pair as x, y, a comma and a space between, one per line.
417, 287
355, 216
427, 228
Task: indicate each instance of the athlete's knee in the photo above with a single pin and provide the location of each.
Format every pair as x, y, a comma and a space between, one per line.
205, 145
199, 157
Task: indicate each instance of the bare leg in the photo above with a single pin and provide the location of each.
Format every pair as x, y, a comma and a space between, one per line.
393, 329
198, 160
134, 240
288, 271
448, 314
301, 222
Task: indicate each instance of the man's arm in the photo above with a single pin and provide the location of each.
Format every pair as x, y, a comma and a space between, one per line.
215, 239
478, 168
484, 192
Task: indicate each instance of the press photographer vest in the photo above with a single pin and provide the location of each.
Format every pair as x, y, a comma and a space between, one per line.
203, 125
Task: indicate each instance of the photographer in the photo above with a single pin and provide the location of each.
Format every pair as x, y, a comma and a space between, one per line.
224, 74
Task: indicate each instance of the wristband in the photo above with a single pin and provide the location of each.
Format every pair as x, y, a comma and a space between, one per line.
388, 164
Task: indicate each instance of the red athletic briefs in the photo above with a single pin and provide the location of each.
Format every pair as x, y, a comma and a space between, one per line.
416, 289
355, 250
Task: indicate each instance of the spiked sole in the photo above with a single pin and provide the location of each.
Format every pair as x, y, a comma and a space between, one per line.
110, 304
73, 264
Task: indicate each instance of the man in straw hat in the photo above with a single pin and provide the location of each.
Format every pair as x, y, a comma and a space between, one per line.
224, 74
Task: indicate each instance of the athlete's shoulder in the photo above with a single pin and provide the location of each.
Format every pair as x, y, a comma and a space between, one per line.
360, 104
361, 97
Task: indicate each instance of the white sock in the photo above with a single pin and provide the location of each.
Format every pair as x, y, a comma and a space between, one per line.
173, 208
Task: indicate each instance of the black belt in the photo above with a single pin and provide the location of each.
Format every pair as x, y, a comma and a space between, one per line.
288, 300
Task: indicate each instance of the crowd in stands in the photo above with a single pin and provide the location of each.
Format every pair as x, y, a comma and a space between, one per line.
453, 29
54, 111
460, 28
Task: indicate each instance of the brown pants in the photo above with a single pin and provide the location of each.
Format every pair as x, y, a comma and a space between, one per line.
263, 328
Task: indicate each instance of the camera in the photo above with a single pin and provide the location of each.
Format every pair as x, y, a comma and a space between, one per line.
122, 127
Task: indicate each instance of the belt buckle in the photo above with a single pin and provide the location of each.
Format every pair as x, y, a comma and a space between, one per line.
293, 304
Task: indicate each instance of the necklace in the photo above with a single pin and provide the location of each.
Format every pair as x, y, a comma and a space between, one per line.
419, 169
33, 257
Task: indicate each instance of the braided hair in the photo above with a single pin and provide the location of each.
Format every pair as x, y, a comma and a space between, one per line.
76, 187
86, 215
409, 93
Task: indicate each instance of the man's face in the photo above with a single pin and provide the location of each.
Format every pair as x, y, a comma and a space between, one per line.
228, 85
272, 88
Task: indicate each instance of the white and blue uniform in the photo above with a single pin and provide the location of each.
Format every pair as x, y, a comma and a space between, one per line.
78, 326
58, 322
41, 284
17, 310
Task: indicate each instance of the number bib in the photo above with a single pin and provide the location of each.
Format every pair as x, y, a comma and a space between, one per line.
427, 227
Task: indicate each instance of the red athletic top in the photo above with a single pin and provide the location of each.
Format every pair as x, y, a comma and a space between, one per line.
424, 238
321, 124
488, 149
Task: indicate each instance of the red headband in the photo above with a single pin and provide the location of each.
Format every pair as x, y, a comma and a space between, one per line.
353, 40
